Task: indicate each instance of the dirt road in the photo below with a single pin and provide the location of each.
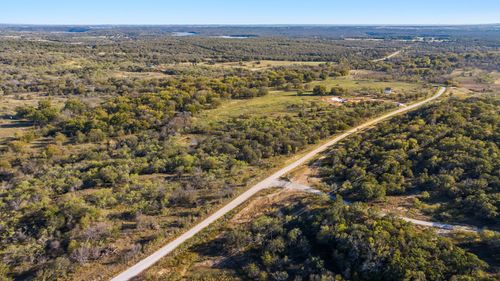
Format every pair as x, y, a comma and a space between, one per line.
439, 225
388, 56
266, 183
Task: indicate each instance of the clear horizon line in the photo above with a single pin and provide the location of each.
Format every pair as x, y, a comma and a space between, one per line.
248, 24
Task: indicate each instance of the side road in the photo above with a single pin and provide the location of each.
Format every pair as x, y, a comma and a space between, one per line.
439, 225
266, 183
388, 56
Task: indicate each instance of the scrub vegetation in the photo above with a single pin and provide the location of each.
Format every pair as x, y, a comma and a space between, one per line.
114, 141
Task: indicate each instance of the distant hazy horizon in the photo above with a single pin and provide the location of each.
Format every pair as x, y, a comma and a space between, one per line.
246, 12
249, 25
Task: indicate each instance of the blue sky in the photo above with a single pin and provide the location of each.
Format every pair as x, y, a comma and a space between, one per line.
250, 11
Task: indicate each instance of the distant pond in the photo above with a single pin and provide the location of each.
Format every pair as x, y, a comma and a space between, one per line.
182, 33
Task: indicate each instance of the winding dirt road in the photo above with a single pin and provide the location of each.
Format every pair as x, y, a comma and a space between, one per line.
266, 183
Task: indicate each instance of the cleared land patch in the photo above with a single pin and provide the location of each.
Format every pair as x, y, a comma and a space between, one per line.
353, 85
476, 80
251, 65
275, 103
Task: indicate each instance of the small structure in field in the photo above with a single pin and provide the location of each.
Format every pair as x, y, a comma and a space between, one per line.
388, 91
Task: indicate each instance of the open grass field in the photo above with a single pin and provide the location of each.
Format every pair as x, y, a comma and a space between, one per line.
354, 84
460, 92
10, 127
275, 103
252, 65
477, 80
373, 88
266, 64
138, 75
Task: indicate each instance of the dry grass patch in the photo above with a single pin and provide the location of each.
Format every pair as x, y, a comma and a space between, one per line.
477, 80
250, 65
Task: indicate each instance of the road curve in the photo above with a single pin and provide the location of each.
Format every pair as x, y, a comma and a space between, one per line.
266, 183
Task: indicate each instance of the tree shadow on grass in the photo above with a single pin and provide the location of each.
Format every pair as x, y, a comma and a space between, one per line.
13, 124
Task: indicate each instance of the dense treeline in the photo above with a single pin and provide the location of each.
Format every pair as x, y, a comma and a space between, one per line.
57, 68
111, 78
171, 102
251, 139
434, 63
66, 68
335, 241
448, 151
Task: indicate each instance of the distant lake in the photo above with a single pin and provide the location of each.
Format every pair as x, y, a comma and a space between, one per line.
244, 36
77, 29
182, 33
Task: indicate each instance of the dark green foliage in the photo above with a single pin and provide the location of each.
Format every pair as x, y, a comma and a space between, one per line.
93, 179
340, 242
251, 139
56, 68
338, 91
320, 90
120, 167
449, 149
42, 115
